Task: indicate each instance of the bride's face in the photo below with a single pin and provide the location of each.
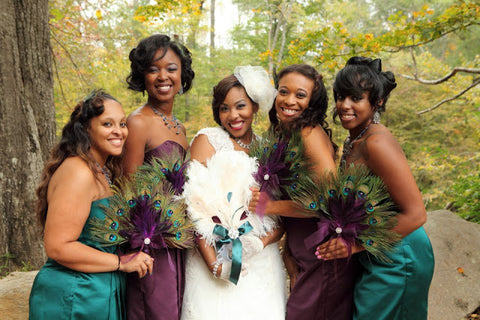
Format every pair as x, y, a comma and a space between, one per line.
236, 113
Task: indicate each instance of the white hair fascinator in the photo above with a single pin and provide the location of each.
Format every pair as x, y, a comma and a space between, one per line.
257, 84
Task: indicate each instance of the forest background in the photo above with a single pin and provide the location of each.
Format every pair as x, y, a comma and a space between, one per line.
433, 49
91, 41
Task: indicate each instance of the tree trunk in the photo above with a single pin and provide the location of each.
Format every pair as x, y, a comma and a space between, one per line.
212, 27
27, 130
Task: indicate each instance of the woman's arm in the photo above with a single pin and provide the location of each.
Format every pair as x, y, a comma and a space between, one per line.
319, 152
72, 189
384, 156
136, 143
386, 159
201, 149
208, 254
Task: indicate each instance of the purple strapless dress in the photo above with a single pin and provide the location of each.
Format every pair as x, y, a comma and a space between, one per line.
159, 295
324, 289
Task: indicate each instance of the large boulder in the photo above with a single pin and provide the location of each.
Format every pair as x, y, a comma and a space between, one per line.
14, 293
455, 289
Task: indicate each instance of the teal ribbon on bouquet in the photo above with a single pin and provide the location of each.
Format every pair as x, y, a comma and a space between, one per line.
222, 232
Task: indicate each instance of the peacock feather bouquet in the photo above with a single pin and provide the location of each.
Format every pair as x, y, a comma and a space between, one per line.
147, 210
353, 205
281, 163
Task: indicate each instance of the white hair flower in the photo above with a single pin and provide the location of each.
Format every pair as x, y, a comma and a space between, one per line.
257, 84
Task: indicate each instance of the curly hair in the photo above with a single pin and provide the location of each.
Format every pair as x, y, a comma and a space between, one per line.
221, 90
316, 112
75, 141
142, 56
363, 74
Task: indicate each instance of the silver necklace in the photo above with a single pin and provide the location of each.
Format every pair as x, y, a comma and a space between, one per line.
244, 145
348, 146
169, 123
106, 173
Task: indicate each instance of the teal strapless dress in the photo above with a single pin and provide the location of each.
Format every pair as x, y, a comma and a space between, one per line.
397, 290
62, 293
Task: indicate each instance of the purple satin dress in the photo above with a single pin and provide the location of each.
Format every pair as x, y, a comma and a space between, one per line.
159, 295
323, 289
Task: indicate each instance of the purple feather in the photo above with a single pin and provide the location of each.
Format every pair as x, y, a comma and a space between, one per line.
176, 176
272, 170
345, 221
148, 232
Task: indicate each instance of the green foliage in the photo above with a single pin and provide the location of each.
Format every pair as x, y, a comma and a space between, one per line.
5, 263
466, 192
91, 42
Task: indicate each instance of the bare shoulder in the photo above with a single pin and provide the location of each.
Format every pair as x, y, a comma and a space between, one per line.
77, 168
201, 149
74, 175
316, 137
379, 142
138, 119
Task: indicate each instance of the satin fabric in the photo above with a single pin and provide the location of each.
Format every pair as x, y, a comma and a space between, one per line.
62, 293
397, 290
159, 295
324, 289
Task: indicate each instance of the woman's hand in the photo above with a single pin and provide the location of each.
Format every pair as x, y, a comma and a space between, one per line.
335, 249
251, 245
139, 262
258, 202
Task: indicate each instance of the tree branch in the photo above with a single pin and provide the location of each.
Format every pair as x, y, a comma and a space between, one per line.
443, 79
475, 83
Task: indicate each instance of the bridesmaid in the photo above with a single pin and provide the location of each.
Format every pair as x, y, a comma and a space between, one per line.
397, 290
80, 279
319, 289
162, 68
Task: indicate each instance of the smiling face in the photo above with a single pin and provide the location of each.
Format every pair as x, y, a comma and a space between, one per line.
236, 114
355, 112
163, 79
108, 132
294, 94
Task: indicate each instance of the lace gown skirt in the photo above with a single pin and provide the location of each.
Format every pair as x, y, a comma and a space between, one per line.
259, 294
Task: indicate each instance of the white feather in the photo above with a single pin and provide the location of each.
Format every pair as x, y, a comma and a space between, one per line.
207, 192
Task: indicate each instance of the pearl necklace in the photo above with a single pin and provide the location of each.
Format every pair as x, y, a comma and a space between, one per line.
169, 123
348, 146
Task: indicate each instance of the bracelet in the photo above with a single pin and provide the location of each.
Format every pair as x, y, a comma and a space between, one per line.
215, 268
118, 267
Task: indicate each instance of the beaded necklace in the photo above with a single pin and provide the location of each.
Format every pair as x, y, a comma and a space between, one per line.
244, 145
169, 123
106, 173
348, 146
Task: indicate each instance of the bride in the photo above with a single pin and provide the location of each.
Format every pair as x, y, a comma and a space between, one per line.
236, 271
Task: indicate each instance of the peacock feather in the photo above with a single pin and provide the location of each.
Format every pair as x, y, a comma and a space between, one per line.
353, 205
146, 210
281, 162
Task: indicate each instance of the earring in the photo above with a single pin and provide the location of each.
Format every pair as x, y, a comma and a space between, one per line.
376, 117
181, 90
255, 118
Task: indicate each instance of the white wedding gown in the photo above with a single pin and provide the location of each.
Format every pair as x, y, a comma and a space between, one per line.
260, 292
